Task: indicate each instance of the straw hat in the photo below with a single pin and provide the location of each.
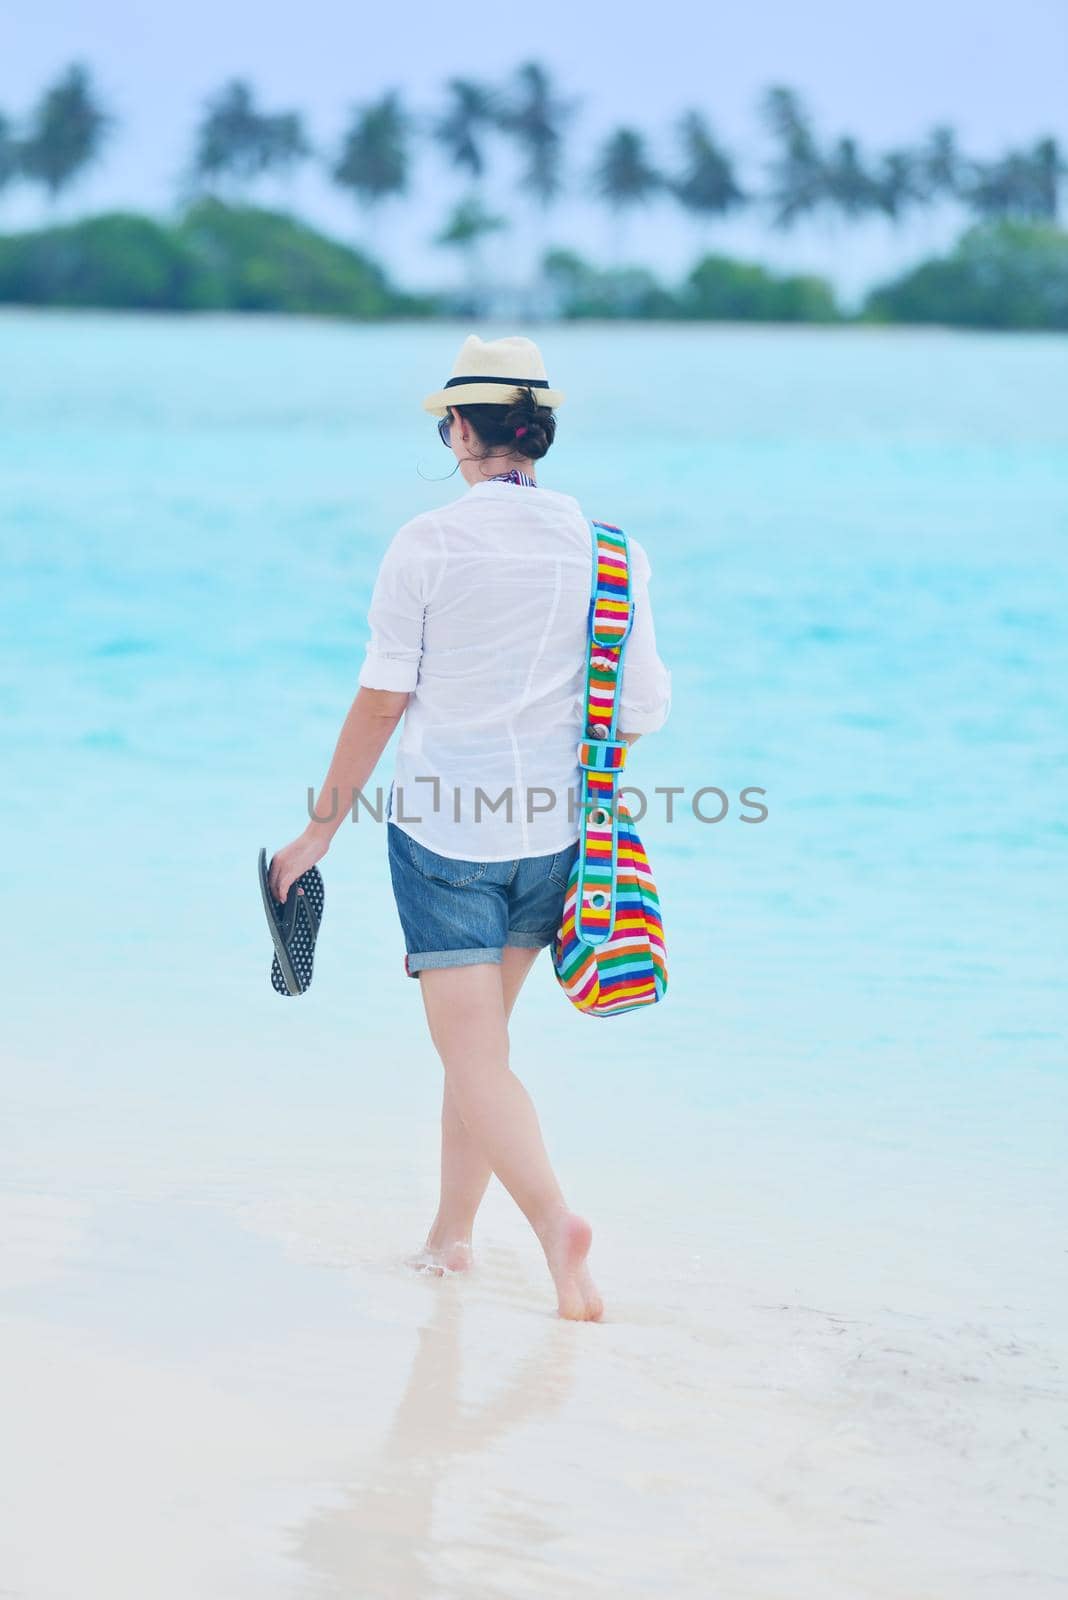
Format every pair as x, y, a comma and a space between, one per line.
490, 371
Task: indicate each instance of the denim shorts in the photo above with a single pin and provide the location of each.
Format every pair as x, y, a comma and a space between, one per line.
455, 913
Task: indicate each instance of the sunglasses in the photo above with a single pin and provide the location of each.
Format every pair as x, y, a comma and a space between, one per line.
444, 426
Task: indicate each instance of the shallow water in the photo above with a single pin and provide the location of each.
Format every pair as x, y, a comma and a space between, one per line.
849, 1108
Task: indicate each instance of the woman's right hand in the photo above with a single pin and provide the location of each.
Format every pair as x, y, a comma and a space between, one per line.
295, 859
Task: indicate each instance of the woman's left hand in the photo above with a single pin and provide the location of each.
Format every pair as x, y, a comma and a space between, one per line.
292, 862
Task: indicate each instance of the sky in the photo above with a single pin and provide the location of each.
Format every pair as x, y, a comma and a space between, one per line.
997, 72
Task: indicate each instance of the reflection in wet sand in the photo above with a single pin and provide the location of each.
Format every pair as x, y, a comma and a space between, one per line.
382, 1538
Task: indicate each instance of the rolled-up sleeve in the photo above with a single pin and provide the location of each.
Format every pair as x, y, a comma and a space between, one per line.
396, 614
645, 697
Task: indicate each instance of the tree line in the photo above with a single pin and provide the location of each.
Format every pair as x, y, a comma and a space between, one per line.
237, 142
221, 257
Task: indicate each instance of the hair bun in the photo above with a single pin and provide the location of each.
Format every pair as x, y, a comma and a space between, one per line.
522, 427
531, 440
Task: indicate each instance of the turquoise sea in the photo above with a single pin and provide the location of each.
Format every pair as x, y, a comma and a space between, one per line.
859, 548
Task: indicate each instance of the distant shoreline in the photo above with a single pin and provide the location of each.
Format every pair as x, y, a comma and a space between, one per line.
846, 328
219, 258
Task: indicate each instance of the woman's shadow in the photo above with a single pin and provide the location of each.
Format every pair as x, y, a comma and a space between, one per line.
380, 1544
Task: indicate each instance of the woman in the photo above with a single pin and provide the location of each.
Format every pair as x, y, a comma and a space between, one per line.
478, 640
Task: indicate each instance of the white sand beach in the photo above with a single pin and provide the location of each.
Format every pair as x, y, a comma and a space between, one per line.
826, 1368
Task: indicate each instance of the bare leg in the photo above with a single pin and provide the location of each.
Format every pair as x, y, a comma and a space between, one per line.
468, 1024
465, 1172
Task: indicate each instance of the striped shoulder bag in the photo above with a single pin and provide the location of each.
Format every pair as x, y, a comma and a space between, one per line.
609, 953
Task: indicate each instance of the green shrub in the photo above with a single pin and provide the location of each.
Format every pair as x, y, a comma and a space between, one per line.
266, 261
582, 290
1000, 275
217, 257
719, 289
116, 259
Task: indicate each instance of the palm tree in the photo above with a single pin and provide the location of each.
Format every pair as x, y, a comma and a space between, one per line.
1046, 170
939, 165
707, 186
235, 141
471, 112
993, 188
850, 186
373, 163
284, 142
1021, 183
798, 174
897, 184
987, 188
1048, 167
67, 130
534, 116
623, 176
931, 176
228, 135
466, 228
9, 154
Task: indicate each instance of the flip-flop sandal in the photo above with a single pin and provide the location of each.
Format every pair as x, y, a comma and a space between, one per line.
294, 927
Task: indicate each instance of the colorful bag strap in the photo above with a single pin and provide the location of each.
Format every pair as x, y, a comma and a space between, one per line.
601, 755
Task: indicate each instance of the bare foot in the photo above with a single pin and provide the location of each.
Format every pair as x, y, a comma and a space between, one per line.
566, 1242
439, 1259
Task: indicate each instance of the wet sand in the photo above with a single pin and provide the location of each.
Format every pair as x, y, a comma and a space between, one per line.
839, 1376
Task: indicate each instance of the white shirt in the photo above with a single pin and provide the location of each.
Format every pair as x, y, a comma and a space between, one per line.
480, 610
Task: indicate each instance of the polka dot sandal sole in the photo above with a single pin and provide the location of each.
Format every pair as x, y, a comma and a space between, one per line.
294, 928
